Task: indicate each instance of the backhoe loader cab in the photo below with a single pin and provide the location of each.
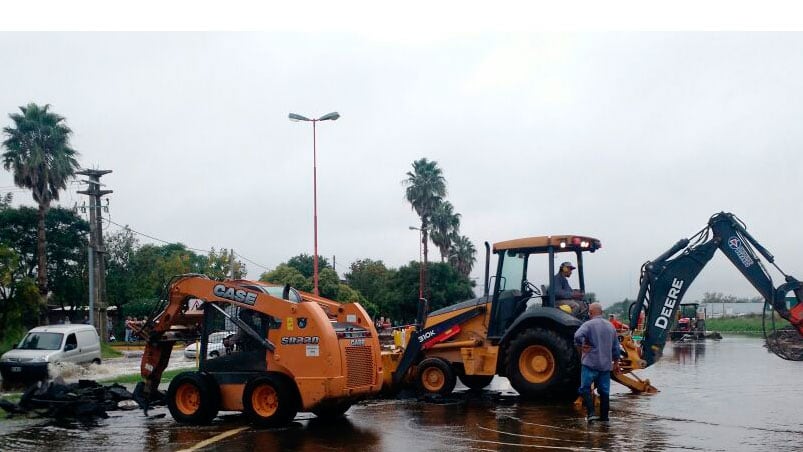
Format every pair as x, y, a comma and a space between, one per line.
526, 269
516, 331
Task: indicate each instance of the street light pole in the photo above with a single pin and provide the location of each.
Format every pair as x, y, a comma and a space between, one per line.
421, 269
327, 117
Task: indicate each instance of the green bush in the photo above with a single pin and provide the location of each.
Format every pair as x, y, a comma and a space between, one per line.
748, 324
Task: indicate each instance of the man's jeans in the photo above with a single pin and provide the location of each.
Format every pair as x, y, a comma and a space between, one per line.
602, 378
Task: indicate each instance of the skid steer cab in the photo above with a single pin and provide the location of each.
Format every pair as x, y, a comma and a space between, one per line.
516, 331
265, 350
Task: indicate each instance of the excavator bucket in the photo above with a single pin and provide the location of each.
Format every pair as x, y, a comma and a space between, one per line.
630, 361
632, 381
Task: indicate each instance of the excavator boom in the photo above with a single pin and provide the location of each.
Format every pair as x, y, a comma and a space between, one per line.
665, 280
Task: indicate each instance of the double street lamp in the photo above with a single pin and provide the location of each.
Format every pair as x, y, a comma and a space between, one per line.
327, 117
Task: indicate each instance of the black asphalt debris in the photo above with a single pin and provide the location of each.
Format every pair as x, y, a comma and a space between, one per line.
56, 399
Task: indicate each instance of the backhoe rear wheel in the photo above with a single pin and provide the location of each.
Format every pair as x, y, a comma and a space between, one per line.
436, 376
542, 364
193, 398
268, 401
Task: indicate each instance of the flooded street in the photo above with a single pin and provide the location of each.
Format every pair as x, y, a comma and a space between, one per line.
727, 395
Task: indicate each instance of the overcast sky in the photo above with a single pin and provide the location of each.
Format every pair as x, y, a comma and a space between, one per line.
633, 138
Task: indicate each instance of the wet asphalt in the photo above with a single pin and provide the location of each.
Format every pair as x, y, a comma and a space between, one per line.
727, 395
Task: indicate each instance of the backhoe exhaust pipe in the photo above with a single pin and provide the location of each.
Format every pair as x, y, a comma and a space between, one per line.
487, 267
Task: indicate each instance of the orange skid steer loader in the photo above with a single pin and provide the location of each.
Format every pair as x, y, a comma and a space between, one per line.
264, 350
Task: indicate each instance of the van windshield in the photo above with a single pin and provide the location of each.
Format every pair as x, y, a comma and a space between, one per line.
41, 341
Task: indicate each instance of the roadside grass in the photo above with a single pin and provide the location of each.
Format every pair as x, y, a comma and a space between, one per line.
107, 351
136, 378
749, 325
12, 397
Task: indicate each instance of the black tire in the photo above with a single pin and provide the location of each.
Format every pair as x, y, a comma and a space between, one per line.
435, 376
332, 410
96, 361
476, 382
193, 398
269, 401
542, 364
214, 354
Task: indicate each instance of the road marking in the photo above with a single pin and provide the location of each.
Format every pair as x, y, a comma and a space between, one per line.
215, 439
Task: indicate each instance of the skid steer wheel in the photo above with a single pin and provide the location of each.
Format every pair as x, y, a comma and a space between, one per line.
476, 382
541, 365
435, 376
193, 398
269, 401
332, 409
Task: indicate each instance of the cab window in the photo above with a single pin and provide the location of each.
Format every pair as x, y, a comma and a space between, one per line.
71, 342
512, 271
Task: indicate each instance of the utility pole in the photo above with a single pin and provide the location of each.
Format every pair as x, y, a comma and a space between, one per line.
231, 263
97, 261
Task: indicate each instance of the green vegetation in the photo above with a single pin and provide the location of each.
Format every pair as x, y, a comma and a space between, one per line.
426, 192
107, 351
748, 324
136, 378
136, 273
13, 398
39, 155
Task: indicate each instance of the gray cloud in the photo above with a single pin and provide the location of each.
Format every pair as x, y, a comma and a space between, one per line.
634, 138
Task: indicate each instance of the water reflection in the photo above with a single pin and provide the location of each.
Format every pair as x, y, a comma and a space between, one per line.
727, 395
687, 352
309, 435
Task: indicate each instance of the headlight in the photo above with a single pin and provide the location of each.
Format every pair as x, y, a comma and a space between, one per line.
40, 359
3, 359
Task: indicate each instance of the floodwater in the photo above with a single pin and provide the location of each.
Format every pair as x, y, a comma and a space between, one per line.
728, 395
112, 367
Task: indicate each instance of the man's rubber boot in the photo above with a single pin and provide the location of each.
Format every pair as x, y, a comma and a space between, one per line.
588, 401
604, 406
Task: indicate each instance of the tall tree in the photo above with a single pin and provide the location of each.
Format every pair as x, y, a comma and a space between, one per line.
40, 156
304, 264
66, 251
370, 278
445, 225
463, 254
285, 274
218, 265
426, 188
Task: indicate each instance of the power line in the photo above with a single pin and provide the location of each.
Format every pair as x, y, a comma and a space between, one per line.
188, 247
249, 260
154, 238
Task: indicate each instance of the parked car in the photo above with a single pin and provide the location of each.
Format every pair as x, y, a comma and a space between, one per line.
214, 347
43, 345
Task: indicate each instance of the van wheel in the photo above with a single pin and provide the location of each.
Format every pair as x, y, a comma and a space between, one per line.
193, 398
541, 364
332, 410
269, 401
476, 382
96, 361
435, 376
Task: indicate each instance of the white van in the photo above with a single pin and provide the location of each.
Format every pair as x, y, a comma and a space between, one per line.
49, 344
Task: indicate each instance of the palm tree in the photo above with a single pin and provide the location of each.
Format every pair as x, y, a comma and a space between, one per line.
445, 224
40, 156
462, 256
426, 188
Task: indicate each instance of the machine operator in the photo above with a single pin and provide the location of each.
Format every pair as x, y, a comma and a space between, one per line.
564, 294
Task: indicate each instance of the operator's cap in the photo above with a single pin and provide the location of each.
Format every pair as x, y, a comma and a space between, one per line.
568, 264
